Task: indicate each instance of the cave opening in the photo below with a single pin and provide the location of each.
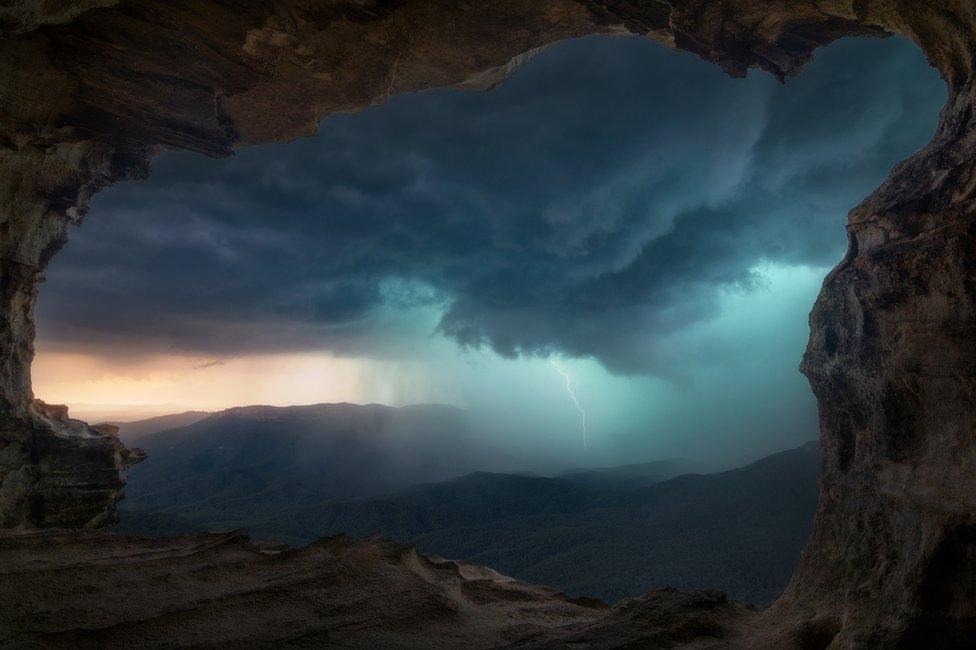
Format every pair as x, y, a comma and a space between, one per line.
616, 231
91, 92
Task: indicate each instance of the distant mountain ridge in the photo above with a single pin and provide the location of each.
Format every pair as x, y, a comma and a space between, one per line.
130, 432
300, 473
632, 476
741, 530
244, 463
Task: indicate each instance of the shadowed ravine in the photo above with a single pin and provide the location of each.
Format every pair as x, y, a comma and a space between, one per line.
89, 95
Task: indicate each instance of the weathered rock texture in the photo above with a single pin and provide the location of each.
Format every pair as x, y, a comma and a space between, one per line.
93, 590
88, 95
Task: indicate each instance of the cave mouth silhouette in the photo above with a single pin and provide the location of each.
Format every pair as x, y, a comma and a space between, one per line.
889, 357
187, 218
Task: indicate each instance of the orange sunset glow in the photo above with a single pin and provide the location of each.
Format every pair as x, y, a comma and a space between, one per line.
99, 388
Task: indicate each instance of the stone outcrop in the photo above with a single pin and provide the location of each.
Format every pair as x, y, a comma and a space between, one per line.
93, 590
89, 93
60, 472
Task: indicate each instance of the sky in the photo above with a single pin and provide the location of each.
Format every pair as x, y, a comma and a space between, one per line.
617, 211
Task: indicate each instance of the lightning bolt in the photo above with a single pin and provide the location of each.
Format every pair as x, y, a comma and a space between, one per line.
572, 396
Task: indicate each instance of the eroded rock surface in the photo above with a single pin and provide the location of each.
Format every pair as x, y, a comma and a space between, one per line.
88, 94
94, 590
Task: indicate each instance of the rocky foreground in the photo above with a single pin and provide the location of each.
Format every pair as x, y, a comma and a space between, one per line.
97, 590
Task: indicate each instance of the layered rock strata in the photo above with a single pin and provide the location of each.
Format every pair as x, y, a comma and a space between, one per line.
94, 590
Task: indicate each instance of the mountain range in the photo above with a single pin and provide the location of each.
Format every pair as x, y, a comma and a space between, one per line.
132, 432
300, 473
244, 465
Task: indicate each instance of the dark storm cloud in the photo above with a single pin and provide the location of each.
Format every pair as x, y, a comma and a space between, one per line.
600, 199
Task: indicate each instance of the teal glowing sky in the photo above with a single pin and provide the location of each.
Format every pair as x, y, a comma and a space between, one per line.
657, 228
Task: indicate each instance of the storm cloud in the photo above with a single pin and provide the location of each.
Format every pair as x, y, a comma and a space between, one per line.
597, 203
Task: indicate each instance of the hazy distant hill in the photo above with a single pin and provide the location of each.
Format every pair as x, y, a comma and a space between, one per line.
131, 432
293, 474
632, 476
740, 531
240, 466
